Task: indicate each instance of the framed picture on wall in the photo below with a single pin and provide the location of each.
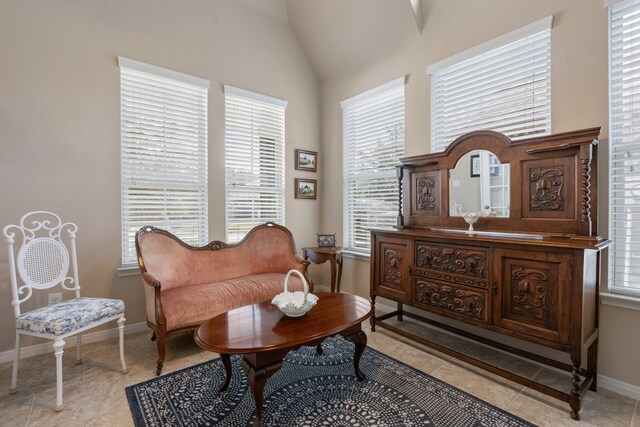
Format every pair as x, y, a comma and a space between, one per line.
475, 165
306, 160
306, 188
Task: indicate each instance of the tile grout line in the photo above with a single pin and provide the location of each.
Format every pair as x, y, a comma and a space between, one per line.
33, 399
633, 415
523, 388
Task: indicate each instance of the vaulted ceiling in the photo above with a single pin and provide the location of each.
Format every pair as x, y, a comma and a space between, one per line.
340, 35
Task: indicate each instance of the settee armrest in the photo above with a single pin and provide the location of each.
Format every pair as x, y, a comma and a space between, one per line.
153, 300
150, 280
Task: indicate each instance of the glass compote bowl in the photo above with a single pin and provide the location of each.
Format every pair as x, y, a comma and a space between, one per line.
471, 218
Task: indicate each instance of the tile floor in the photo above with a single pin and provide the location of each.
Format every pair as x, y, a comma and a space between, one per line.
94, 391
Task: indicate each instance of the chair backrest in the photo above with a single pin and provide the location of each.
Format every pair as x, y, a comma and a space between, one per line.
45, 250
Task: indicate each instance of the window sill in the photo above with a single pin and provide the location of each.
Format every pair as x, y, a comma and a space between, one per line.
355, 255
128, 270
621, 301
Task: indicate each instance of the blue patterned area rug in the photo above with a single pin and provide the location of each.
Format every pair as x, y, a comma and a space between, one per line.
312, 390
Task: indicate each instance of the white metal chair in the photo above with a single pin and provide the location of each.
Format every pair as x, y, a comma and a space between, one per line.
41, 261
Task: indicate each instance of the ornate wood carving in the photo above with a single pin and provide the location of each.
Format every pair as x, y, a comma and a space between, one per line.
586, 189
464, 261
426, 193
451, 298
216, 245
547, 189
530, 290
393, 261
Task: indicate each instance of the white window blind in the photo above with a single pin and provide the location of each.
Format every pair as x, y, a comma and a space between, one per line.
624, 168
502, 85
373, 126
254, 161
163, 141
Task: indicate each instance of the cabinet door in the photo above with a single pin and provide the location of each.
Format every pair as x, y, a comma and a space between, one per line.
392, 268
533, 293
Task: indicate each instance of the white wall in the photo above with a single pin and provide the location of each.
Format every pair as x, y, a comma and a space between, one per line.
60, 114
579, 84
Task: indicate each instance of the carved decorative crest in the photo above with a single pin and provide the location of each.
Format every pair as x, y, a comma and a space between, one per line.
426, 197
547, 186
530, 290
216, 245
393, 261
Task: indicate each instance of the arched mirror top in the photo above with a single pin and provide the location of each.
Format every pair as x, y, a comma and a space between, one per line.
488, 140
545, 183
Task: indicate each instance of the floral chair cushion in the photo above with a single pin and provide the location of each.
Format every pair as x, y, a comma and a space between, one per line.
68, 316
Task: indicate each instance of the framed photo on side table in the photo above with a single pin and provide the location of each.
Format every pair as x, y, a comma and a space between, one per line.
306, 160
326, 240
306, 188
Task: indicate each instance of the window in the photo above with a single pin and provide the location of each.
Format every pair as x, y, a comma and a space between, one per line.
163, 143
624, 168
254, 161
503, 85
373, 144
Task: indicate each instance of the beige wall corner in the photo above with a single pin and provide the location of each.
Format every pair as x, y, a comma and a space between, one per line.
60, 115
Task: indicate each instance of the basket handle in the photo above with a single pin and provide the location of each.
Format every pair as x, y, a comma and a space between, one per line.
304, 283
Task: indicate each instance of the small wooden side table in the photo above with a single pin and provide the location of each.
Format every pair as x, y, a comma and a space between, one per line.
318, 255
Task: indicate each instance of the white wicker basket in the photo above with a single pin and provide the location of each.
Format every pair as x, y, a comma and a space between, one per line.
295, 304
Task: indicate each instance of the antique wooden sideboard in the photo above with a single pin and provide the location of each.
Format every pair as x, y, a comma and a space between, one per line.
531, 268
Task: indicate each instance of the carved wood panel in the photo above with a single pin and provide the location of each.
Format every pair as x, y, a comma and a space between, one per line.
470, 303
427, 193
392, 262
549, 188
458, 264
533, 293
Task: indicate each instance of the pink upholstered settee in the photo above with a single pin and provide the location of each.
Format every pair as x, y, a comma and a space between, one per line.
186, 285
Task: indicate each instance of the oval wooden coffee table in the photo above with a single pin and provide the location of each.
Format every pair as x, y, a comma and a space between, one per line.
264, 336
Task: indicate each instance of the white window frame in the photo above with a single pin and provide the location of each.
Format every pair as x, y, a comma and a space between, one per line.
254, 124
368, 119
624, 156
163, 142
503, 84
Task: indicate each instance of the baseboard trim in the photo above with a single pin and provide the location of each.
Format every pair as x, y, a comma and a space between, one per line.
46, 347
619, 387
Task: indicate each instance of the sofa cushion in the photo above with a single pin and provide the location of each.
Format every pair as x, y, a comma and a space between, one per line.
190, 306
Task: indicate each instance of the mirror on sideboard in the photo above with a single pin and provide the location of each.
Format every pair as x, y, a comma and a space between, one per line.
479, 183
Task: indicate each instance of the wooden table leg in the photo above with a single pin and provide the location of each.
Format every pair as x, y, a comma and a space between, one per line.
257, 379
226, 362
339, 261
360, 340
332, 262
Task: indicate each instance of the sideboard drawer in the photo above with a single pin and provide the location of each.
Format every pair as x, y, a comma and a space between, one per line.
464, 265
447, 299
